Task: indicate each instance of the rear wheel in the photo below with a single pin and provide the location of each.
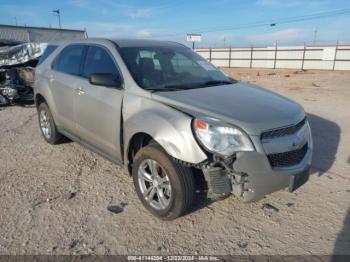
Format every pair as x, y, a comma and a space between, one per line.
164, 187
47, 125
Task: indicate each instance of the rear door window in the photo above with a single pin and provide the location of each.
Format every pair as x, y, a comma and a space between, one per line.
69, 60
99, 61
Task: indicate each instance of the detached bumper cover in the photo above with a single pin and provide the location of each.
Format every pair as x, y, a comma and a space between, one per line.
262, 179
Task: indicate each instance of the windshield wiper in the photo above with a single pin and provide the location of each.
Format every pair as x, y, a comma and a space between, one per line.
165, 88
217, 82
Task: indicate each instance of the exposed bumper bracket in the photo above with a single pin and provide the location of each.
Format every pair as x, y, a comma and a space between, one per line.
218, 181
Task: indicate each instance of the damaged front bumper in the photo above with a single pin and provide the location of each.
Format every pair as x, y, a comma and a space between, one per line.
261, 179
250, 175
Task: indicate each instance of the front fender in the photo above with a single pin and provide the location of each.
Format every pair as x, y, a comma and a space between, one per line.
168, 126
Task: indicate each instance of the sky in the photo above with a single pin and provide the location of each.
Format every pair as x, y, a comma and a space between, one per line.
171, 19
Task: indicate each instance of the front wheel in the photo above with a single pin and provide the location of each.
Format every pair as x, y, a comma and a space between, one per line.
164, 187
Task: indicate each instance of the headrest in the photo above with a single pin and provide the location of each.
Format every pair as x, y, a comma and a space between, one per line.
146, 64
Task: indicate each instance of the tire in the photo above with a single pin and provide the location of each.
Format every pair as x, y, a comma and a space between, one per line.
179, 179
47, 125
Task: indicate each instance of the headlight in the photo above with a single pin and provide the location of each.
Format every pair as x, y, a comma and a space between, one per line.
220, 138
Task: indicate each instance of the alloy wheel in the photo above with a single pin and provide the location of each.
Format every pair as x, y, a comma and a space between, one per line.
154, 184
45, 124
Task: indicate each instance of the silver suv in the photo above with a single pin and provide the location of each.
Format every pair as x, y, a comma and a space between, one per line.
173, 120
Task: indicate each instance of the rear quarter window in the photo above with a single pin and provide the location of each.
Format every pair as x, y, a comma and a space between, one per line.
47, 52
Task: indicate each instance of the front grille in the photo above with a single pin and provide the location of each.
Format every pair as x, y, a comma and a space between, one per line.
290, 158
285, 131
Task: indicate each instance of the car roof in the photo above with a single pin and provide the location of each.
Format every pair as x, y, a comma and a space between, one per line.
143, 42
124, 42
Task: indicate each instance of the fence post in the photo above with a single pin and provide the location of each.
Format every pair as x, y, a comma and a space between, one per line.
251, 56
28, 36
274, 62
229, 58
335, 54
302, 61
210, 54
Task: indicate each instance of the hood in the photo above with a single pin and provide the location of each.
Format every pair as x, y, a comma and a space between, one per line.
247, 106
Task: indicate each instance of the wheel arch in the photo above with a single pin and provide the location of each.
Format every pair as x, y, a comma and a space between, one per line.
170, 128
39, 99
137, 141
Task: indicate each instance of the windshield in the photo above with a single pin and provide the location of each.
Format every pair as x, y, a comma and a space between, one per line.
170, 68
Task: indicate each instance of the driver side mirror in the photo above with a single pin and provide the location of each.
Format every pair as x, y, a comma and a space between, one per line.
108, 80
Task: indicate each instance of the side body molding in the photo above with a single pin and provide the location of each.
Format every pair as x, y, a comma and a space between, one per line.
168, 126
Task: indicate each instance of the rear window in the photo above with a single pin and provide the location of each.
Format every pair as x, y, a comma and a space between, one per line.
48, 51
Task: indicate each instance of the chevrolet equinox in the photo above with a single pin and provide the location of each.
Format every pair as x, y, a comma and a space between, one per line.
172, 119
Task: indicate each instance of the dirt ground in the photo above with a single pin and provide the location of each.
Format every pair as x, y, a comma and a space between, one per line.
54, 199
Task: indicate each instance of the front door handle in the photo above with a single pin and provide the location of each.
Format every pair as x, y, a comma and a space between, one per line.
80, 91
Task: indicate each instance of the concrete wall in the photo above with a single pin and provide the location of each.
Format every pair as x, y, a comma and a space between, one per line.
38, 34
293, 57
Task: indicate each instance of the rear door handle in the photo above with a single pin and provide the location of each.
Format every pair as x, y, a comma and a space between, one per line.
80, 91
51, 78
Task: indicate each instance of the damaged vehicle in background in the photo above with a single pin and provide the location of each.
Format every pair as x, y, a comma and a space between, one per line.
174, 120
17, 63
